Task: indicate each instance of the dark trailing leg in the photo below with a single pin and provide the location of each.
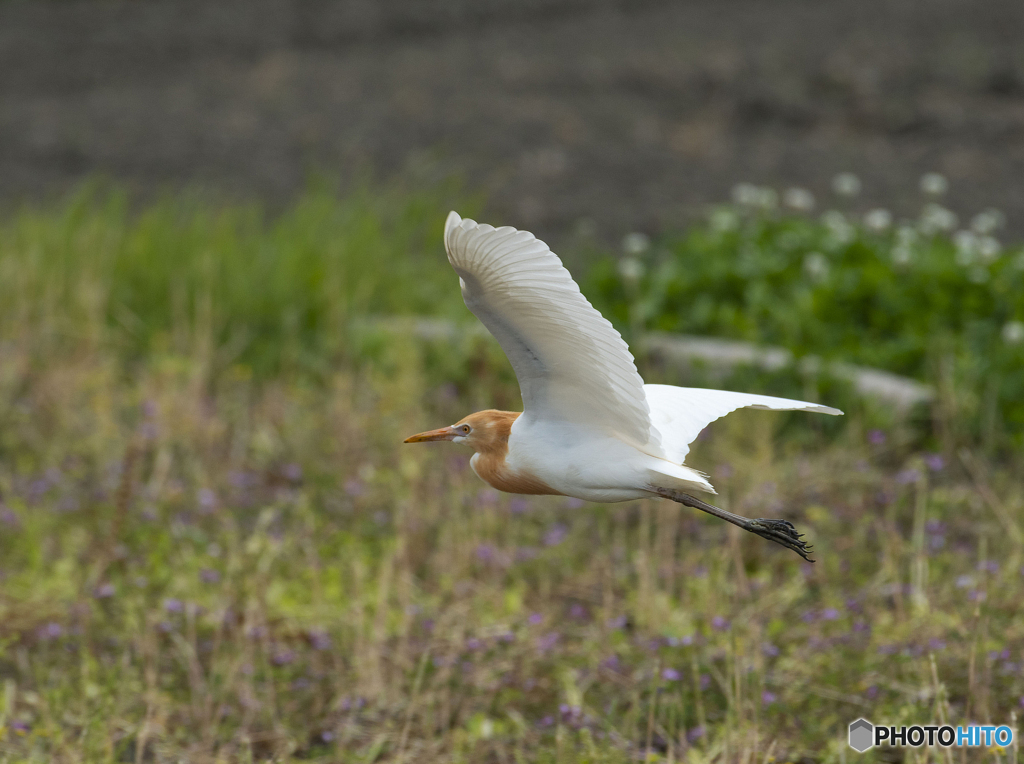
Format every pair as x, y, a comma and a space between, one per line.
780, 531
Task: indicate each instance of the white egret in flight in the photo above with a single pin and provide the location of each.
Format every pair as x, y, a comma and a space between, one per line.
590, 427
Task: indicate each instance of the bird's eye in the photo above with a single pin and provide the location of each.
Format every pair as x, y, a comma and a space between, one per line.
466, 429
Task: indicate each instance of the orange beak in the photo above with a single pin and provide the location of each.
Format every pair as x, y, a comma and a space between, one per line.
445, 433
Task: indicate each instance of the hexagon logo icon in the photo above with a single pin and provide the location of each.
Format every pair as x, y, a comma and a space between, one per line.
862, 735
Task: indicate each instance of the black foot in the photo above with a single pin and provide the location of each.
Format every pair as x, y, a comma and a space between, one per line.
781, 532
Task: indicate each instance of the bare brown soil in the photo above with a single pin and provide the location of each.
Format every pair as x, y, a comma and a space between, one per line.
612, 114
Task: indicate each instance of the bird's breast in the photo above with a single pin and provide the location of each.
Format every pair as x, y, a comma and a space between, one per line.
493, 468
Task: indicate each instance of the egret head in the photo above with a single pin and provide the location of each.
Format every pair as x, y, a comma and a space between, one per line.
483, 431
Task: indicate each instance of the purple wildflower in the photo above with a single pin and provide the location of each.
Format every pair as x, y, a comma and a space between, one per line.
7, 516
555, 535
830, 614
172, 605
485, 553
767, 698
908, 476
209, 576
207, 500
617, 622
569, 713
103, 591
935, 462
990, 566
242, 479
705, 681
718, 623
769, 649
571, 502
535, 618
548, 641
327, 736
354, 487
671, 675
292, 472
319, 640
578, 612
936, 644
695, 734
525, 553
51, 631
518, 505
282, 657
876, 438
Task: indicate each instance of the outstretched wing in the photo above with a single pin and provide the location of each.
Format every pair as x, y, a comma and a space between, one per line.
678, 414
571, 364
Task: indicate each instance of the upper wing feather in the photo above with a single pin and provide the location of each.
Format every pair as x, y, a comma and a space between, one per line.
678, 414
571, 364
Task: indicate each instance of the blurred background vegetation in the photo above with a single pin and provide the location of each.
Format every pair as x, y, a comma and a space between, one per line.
215, 547
224, 301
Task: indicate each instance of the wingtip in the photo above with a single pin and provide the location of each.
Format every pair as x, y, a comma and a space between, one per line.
453, 220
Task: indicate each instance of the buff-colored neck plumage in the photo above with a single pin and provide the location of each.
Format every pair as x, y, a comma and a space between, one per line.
489, 438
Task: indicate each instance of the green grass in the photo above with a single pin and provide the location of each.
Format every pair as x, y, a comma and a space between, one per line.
186, 275
214, 547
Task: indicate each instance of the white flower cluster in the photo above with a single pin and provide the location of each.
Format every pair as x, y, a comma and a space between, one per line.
903, 249
972, 248
635, 243
840, 231
934, 184
846, 184
799, 199
749, 195
878, 220
1013, 332
724, 219
816, 266
935, 218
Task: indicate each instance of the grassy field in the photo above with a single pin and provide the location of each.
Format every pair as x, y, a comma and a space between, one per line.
214, 547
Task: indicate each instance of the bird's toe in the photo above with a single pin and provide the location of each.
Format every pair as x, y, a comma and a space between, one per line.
781, 532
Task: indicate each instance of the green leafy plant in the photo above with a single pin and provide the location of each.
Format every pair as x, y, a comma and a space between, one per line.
913, 298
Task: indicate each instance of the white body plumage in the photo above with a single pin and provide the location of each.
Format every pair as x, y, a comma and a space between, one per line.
590, 427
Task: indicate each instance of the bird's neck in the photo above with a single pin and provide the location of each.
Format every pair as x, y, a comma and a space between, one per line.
494, 429
490, 461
